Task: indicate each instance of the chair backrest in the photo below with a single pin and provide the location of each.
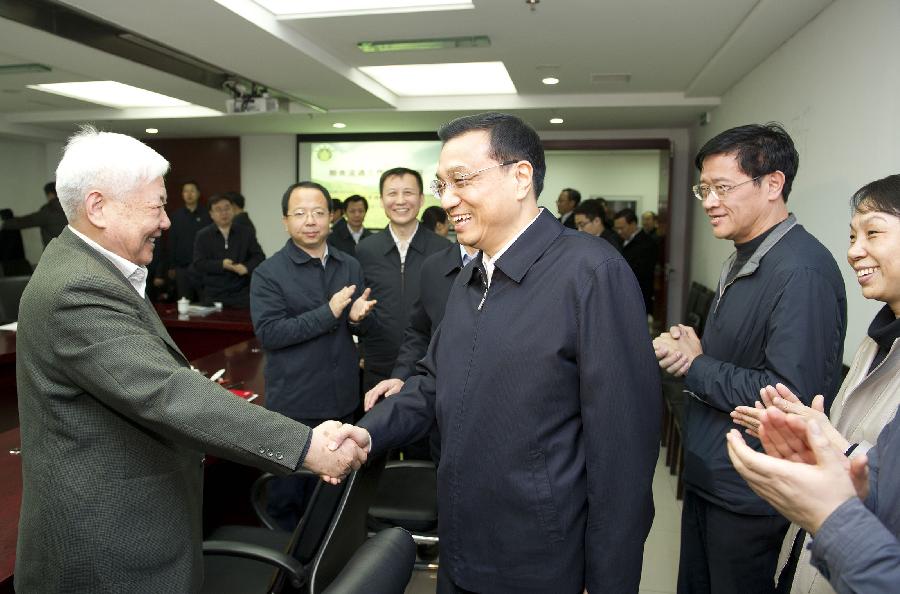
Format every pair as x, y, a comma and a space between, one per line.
332, 528
11, 288
383, 564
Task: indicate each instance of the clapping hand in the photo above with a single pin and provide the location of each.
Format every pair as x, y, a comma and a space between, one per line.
362, 306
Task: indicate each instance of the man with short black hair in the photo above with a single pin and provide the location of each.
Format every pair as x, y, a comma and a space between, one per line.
779, 316
307, 301
565, 204
590, 217
177, 255
392, 265
640, 252
50, 217
345, 234
225, 256
240, 215
542, 380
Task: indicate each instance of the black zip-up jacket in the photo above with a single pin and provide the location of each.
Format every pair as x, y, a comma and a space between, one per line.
211, 248
396, 288
781, 319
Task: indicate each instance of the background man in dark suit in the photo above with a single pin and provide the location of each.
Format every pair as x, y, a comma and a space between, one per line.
225, 256
114, 421
177, 255
345, 234
392, 265
565, 204
590, 218
640, 252
541, 377
50, 217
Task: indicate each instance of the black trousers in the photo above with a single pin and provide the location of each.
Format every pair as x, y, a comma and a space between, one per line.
723, 552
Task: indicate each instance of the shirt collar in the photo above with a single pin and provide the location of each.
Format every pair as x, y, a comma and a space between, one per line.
299, 256
397, 239
136, 275
518, 256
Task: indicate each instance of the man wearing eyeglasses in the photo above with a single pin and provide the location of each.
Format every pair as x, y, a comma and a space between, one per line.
542, 380
779, 316
306, 301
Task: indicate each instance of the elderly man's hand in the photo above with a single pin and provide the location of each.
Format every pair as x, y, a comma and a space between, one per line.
677, 349
804, 493
335, 450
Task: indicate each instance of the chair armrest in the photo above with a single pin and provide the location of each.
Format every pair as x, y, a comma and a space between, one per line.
295, 570
257, 501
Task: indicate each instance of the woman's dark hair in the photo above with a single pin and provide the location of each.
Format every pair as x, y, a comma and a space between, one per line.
881, 195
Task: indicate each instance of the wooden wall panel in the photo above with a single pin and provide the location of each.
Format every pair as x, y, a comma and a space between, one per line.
214, 163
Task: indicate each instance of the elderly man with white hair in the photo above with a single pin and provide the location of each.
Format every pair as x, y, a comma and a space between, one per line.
114, 421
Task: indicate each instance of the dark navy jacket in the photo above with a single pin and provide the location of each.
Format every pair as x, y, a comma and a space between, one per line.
341, 238
396, 288
547, 395
782, 319
312, 366
211, 248
179, 252
438, 272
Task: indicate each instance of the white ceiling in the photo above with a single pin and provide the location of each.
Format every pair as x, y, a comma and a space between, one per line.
681, 55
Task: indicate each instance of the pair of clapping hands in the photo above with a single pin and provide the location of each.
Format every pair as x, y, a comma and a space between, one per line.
804, 472
336, 449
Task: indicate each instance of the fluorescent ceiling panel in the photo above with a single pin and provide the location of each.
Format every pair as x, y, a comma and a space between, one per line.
111, 94
307, 9
427, 80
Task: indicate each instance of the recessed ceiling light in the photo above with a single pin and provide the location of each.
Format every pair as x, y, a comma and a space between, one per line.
420, 80
550, 80
304, 9
151, 131
339, 125
111, 94
556, 120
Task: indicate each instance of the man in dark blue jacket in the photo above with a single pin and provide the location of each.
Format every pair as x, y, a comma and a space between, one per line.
779, 316
300, 303
543, 383
177, 255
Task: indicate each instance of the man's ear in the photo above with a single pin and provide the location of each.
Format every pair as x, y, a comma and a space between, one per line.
774, 185
95, 206
524, 179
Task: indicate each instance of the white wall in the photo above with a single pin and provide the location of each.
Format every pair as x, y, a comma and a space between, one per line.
610, 174
268, 167
835, 86
24, 169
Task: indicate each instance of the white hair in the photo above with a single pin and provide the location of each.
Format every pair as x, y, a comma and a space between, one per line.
114, 164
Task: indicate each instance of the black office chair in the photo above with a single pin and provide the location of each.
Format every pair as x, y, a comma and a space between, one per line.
11, 288
407, 498
247, 559
382, 565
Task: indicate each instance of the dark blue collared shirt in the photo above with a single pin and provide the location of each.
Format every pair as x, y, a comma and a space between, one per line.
312, 365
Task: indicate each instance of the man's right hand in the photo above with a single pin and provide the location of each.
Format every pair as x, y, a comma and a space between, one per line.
334, 450
341, 300
385, 388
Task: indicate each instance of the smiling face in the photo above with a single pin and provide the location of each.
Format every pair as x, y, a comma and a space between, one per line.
746, 211
135, 222
874, 254
307, 220
401, 199
485, 208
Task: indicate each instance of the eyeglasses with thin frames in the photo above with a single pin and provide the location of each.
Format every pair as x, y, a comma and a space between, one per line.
719, 191
438, 186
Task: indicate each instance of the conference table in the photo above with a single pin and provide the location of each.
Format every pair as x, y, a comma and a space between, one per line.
224, 340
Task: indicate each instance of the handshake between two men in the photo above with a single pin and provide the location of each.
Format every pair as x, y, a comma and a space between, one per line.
335, 449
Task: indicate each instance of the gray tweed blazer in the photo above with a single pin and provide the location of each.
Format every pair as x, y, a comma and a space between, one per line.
113, 424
